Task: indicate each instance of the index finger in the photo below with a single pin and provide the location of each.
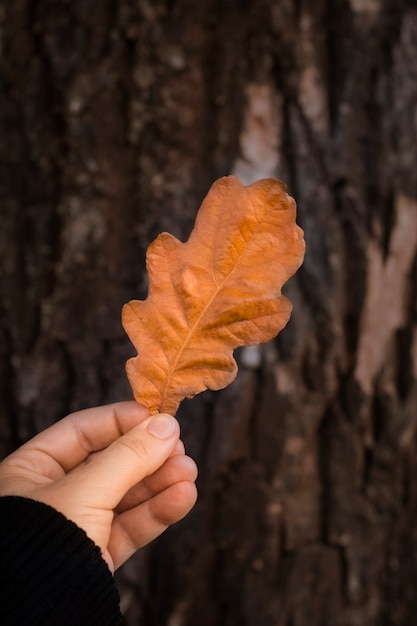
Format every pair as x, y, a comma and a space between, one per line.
71, 440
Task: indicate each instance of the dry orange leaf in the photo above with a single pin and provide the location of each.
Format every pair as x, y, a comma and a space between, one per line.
219, 290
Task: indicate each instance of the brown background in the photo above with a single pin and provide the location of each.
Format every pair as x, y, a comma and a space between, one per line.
116, 117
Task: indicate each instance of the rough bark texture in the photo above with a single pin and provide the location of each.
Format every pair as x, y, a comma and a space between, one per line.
116, 117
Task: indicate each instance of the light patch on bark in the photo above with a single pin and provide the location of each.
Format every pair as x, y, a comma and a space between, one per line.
312, 97
312, 94
85, 226
384, 311
28, 380
414, 354
285, 382
178, 616
261, 135
368, 7
252, 357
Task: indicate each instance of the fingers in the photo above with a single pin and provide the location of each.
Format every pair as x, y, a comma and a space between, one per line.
68, 442
136, 527
111, 473
178, 468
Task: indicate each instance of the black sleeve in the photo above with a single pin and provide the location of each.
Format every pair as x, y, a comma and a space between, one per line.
50, 571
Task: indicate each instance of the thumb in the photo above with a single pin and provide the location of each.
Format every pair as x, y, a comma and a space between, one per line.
109, 474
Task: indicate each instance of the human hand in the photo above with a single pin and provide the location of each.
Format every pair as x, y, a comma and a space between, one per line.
116, 472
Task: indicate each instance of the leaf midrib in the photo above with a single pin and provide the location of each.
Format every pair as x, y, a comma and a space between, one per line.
172, 369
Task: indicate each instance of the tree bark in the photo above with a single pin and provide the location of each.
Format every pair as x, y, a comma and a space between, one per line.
115, 119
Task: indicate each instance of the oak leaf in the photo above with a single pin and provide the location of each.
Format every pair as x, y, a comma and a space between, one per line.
219, 290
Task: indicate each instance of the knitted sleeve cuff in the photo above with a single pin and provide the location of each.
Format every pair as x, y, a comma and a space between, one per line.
50, 571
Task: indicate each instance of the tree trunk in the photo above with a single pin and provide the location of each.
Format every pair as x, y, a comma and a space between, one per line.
116, 118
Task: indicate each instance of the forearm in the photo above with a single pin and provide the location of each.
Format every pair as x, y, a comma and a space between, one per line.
51, 572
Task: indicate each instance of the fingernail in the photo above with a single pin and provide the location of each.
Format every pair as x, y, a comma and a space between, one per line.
162, 426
